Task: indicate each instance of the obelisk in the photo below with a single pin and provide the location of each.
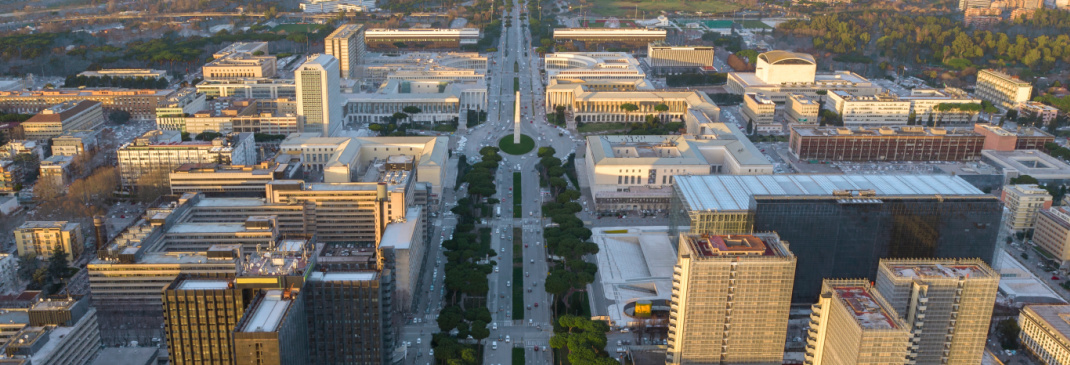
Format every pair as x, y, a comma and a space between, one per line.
516, 120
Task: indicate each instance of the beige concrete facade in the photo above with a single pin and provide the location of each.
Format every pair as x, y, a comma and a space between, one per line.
347, 45
730, 300
664, 58
803, 109
875, 110
946, 302
758, 108
852, 324
923, 103
237, 66
141, 104
63, 118
73, 144
1023, 203
779, 67
606, 106
1052, 232
157, 152
41, 238
318, 99
1045, 332
1002, 90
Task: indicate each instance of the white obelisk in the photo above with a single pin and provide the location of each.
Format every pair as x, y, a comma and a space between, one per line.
516, 120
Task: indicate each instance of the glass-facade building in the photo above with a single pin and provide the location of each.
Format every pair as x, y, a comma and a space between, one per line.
840, 226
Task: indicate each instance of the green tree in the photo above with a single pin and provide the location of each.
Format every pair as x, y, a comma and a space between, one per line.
1008, 331
449, 318
479, 330
661, 108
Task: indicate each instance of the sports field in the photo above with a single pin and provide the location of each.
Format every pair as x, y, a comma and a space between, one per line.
609, 24
653, 8
290, 28
718, 24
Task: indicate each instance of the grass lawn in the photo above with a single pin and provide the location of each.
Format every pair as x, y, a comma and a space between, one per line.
526, 145
518, 199
290, 28
516, 84
518, 356
518, 293
628, 7
718, 24
755, 24
445, 128
601, 127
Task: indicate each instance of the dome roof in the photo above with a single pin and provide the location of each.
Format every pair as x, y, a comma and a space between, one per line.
787, 58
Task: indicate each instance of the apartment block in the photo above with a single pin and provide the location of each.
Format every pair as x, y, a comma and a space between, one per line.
675, 59
66, 117
156, 153
874, 110
802, 109
10, 176
1002, 90
852, 324
56, 170
1024, 202
9, 268
21, 146
273, 331
318, 99
946, 302
141, 104
74, 143
1045, 332
347, 45
1046, 113
898, 143
1052, 233
240, 65
930, 104
194, 306
730, 299
42, 238
758, 108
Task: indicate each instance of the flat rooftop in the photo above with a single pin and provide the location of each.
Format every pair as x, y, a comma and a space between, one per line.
267, 316
201, 284
1029, 162
728, 245
731, 192
1056, 316
889, 131
49, 304
867, 311
399, 235
345, 276
187, 228
924, 271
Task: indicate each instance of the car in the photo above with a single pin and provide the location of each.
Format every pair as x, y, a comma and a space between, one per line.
431, 352
507, 339
525, 245
494, 325
536, 348
536, 304
533, 261
495, 269
526, 274
418, 340
529, 290
503, 249
507, 284
528, 307
531, 321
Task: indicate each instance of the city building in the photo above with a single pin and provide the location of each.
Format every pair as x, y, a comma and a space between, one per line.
597, 71
182, 102
593, 106
842, 225
20, 146
802, 109
982, 18
1023, 202
999, 139
141, 104
600, 39
898, 143
380, 39
781, 73
1041, 166
348, 306
317, 94
1052, 233
58, 331
347, 45
1044, 112
929, 104
10, 176
126, 73
853, 324
335, 6
242, 47
716, 318
1002, 90
56, 170
345, 159
946, 302
64, 118
974, 4
404, 248
273, 331
42, 238
229, 180
9, 269
635, 173
441, 99
665, 59
873, 110
376, 67
249, 88
195, 305
759, 111
1045, 332
227, 115
156, 153
74, 143
236, 66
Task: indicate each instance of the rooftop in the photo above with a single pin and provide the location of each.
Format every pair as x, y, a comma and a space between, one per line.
64, 225
126, 356
1028, 162
731, 192
399, 235
936, 270
344, 276
49, 304
204, 284
906, 130
786, 57
728, 245
268, 314
1056, 316
868, 312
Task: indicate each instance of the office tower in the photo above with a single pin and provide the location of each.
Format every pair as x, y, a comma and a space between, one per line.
1002, 90
273, 331
1023, 202
348, 305
1046, 332
200, 314
948, 304
347, 45
41, 238
842, 225
730, 299
1052, 233
851, 324
318, 98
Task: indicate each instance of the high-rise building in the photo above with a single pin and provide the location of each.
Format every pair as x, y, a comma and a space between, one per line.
842, 225
1024, 201
201, 314
1052, 233
946, 302
1002, 90
272, 331
347, 45
730, 299
42, 238
851, 324
349, 306
318, 94
1045, 332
